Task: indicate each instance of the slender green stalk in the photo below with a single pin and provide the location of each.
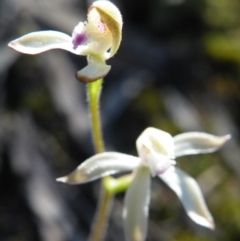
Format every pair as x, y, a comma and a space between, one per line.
102, 214
117, 185
94, 92
105, 200
110, 186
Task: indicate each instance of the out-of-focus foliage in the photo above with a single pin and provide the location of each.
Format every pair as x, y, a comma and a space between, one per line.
223, 18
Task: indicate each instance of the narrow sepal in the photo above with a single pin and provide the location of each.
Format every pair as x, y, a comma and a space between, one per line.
191, 143
189, 193
100, 165
136, 206
38, 42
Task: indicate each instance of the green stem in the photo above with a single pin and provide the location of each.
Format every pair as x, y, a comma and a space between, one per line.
110, 185
94, 92
101, 217
105, 200
117, 185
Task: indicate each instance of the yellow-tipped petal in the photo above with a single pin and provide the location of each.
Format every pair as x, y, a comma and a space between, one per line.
62, 179
111, 16
101, 165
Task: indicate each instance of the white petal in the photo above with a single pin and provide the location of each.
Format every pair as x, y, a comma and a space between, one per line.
156, 150
96, 69
110, 9
100, 165
38, 42
112, 17
190, 195
136, 205
197, 142
159, 141
156, 162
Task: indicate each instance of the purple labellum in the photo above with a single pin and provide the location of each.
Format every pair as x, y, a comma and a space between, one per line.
78, 40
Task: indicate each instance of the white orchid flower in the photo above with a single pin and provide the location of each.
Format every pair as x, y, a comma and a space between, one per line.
157, 152
98, 39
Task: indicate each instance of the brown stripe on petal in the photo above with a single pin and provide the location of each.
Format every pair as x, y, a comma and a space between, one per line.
86, 79
114, 27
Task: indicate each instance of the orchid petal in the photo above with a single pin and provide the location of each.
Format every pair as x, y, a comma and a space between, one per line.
190, 195
136, 205
156, 162
156, 150
157, 140
111, 16
100, 165
38, 42
197, 142
96, 69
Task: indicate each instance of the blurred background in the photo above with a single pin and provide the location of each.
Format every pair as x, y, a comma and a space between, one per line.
177, 69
